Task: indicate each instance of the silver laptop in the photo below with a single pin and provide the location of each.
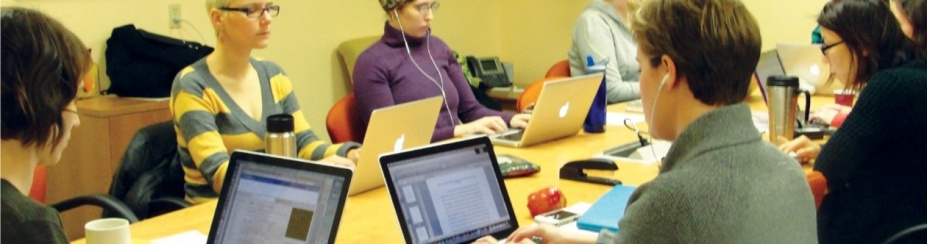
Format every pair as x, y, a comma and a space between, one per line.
558, 113
392, 129
807, 62
449, 193
273, 199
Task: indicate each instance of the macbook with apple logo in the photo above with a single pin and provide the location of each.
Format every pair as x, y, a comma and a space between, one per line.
451, 192
391, 129
559, 112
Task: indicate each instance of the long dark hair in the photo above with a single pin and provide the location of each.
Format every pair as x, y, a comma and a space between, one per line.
872, 34
916, 10
42, 64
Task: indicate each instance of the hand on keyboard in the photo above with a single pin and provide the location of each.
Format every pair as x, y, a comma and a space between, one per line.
827, 113
487, 125
520, 120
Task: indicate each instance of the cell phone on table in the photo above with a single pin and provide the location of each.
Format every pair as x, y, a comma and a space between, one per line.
557, 217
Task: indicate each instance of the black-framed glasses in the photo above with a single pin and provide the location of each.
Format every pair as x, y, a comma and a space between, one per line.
425, 7
826, 47
254, 11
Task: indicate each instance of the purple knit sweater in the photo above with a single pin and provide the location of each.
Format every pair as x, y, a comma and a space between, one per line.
384, 76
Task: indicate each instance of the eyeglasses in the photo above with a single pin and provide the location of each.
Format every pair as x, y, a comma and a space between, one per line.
425, 6
826, 47
254, 11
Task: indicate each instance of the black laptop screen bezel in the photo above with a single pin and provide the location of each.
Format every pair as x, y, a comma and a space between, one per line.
234, 165
388, 159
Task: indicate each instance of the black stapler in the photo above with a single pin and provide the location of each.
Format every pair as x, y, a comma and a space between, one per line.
574, 171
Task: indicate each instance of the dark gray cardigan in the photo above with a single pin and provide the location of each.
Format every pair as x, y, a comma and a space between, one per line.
721, 183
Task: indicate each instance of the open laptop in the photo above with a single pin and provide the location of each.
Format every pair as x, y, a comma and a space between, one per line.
272, 199
767, 66
559, 112
807, 62
392, 129
449, 193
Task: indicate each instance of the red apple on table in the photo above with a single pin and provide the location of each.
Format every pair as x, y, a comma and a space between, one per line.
546, 200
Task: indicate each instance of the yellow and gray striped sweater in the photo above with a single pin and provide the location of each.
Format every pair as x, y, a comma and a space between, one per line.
210, 125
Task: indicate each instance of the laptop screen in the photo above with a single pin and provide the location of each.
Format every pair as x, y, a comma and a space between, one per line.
267, 203
768, 65
450, 196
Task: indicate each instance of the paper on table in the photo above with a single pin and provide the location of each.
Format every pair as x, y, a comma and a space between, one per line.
189, 237
616, 118
761, 121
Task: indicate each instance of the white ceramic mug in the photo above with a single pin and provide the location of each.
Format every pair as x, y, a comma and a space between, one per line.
108, 231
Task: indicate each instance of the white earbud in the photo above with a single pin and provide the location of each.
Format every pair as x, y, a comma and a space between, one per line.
653, 107
662, 84
396, 13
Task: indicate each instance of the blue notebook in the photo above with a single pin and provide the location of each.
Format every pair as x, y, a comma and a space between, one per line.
606, 211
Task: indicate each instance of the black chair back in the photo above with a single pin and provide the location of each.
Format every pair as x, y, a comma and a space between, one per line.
150, 179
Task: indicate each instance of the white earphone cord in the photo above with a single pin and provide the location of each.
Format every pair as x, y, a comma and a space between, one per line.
653, 118
428, 47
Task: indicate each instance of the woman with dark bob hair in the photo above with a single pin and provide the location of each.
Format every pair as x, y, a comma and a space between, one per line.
43, 63
876, 163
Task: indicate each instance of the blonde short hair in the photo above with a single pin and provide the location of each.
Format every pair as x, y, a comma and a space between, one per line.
715, 44
211, 4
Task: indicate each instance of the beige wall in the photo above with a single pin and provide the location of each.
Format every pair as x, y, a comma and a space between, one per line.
785, 20
533, 34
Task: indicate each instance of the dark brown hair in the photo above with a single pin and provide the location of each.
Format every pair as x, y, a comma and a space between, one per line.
389, 5
916, 10
871, 33
714, 43
43, 63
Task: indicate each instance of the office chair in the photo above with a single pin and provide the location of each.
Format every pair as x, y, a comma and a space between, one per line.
530, 95
818, 185
559, 69
106, 202
150, 178
350, 50
344, 122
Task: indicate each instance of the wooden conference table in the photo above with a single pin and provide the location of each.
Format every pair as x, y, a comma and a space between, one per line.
370, 217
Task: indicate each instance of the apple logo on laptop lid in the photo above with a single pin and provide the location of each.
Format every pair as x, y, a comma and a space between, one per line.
398, 145
564, 109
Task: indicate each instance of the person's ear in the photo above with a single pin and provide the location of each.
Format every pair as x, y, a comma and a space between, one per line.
215, 18
671, 72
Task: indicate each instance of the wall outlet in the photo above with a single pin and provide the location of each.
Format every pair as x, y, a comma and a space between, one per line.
173, 12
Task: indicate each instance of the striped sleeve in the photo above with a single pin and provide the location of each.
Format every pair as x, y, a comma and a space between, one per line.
310, 146
204, 156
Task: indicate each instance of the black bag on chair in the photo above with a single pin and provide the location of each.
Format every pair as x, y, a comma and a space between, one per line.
143, 64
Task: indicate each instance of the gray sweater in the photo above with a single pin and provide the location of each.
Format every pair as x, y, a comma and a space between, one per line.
601, 33
721, 183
